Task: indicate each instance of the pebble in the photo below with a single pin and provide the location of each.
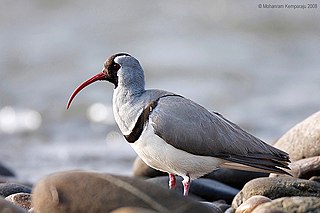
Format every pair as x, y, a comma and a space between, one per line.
20, 199
303, 140
8, 207
290, 204
276, 187
7, 189
207, 189
72, 191
252, 203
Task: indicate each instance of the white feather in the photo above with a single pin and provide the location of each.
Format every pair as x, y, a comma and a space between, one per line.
160, 155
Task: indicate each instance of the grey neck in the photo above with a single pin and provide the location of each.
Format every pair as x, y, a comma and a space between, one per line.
124, 105
130, 76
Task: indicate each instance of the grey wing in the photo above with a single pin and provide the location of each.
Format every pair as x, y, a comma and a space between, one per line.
190, 127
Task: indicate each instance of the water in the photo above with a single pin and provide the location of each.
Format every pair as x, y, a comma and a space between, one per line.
258, 67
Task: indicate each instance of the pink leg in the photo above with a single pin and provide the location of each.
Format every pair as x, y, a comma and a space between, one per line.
172, 181
186, 185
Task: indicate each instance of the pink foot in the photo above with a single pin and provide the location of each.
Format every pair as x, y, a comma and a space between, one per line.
186, 185
172, 181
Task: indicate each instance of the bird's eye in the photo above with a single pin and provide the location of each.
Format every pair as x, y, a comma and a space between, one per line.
115, 66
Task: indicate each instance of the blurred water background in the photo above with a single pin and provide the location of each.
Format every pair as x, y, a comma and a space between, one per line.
258, 67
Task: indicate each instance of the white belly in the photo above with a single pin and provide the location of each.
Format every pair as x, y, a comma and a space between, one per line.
162, 156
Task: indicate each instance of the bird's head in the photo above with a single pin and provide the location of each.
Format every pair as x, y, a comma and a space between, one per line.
119, 69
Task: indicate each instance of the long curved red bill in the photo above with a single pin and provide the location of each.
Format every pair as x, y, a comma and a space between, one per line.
100, 76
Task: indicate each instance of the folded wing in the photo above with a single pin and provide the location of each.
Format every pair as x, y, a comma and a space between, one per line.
190, 127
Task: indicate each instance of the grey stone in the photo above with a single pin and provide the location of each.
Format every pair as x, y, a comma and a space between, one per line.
207, 189
7, 189
75, 191
290, 204
303, 140
275, 187
20, 199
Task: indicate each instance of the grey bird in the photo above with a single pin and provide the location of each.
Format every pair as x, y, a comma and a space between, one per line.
176, 135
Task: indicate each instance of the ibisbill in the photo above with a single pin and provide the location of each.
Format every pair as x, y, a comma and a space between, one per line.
176, 135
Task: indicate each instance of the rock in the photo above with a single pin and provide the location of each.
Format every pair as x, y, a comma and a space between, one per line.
217, 206
229, 210
207, 189
290, 204
315, 178
163, 182
20, 199
5, 179
233, 177
303, 140
7, 189
73, 191
277, 187
132, 210
141, 169
212, 190
252, 203
304, 168
4, 171
8, 207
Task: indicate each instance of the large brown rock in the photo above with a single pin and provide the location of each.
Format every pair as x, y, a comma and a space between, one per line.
81, 191
276, 187
303, 140
290, 204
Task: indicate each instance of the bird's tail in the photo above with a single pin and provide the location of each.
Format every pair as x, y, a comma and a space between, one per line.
258, 164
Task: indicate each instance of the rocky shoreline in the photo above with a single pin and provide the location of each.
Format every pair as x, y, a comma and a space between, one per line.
224, 190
